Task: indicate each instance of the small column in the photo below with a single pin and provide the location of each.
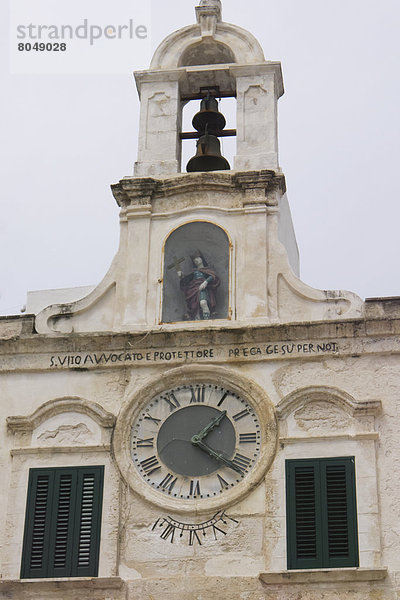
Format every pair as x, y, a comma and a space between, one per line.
258, 88
159, 151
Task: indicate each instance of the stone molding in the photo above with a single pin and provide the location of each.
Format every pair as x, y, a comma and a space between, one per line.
335, 396
309, 576
55, 407
67, 583
358, 437
186, 374
227, 73
141, 190
60, 450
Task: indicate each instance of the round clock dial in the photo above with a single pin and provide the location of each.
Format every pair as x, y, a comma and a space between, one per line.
195, 441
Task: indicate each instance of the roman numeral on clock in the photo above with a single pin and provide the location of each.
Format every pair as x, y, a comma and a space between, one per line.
198, 394
224, 484
241, 415
223, 398
241, 461
168, 482
150, 418
149, 465
146, 443
194, 488
247, 438
172, 402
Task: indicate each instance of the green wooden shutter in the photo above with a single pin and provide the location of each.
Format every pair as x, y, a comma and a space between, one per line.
338, 492
321, 513
63, 515
62, 524
37, 523
87, 524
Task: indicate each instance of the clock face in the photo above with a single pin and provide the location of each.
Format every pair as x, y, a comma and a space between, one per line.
195, 441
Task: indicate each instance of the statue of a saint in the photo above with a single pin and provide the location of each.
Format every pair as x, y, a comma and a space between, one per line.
199, 288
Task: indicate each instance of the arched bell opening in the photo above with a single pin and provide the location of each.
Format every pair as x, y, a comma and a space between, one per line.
207, 52
208, 131
195, 253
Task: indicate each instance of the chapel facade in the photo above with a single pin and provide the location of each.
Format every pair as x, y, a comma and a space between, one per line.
202, 422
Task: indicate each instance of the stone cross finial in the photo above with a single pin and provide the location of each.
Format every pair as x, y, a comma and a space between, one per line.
212, 3
208, 15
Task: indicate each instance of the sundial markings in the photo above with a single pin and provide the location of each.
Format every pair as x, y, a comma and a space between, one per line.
193, 535
215, 529
169, 525
168, 531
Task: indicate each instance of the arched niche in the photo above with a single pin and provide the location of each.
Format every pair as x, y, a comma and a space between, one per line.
240, 42
207, 52
182, 300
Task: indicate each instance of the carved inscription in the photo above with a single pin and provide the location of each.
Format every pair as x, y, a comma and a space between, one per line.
104, 358
177, 355
285, 349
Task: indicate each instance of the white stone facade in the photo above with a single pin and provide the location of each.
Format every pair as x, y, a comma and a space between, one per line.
320, 368
334, 395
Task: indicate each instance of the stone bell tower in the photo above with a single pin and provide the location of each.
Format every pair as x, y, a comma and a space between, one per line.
245, 212
202, 423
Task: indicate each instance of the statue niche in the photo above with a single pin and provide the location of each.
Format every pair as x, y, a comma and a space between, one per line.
196, 273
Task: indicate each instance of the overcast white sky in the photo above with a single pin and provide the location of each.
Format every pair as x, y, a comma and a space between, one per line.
65, 138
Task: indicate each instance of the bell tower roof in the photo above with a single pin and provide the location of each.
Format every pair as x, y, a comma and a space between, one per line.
210, 41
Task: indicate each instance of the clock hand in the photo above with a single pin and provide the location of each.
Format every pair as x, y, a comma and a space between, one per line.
206, 430
220, 457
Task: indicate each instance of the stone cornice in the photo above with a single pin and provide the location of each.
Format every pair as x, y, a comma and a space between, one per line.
310, 576
141, 190
356, 337
351, 328
33, 586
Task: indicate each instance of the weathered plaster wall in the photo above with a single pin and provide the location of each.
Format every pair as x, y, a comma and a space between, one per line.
338, 403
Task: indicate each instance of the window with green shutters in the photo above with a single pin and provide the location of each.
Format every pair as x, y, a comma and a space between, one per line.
321, 513
62, 522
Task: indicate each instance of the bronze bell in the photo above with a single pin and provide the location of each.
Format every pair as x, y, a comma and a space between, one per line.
209, 118
209, 122
208, 156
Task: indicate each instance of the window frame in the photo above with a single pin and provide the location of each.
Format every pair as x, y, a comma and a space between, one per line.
50, 515
322, 558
